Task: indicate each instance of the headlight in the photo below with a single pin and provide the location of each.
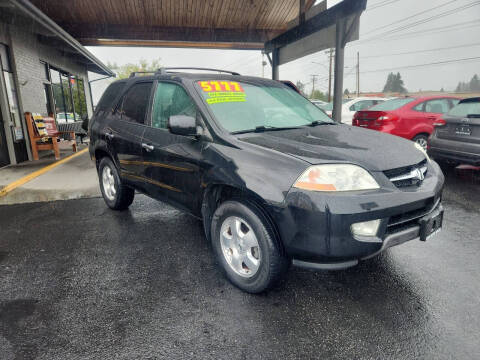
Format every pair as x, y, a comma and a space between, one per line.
419, 147
336, 177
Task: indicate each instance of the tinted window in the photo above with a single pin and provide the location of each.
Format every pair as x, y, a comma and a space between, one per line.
438, 106
135, 103
105, 103
392, 104
464, 109
170, 99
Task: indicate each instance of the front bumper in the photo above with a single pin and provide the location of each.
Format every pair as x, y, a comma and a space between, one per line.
315, 226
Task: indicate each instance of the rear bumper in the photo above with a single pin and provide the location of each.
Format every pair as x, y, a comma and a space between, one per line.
315, 227
467, 153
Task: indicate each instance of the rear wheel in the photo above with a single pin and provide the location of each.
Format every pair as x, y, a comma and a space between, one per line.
116, 195
422, 140
246, 247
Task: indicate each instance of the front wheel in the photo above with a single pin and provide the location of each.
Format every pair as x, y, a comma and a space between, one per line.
421, 140
246, 247
116, 195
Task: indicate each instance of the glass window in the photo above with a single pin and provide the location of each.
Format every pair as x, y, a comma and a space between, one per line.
79, 100
362, 105
109, 96
135, 102
58, 97
170, 99
392, 104
438, 106
466, 108
244, 106
419, 107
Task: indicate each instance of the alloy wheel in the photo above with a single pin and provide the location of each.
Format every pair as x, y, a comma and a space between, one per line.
108, 181
240, 246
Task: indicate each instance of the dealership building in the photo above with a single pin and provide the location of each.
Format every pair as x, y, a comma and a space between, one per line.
43, 70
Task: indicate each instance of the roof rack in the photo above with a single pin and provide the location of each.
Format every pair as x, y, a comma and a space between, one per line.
165, 70
133, 74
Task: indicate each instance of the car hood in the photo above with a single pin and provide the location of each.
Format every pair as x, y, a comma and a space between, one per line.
373, 150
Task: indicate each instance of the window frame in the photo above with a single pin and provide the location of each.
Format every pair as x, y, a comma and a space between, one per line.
199, 117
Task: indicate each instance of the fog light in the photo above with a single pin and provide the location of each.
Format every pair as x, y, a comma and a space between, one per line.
366, 228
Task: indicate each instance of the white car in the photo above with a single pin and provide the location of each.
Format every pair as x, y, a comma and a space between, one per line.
351, 106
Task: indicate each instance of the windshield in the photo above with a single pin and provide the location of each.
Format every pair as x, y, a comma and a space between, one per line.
240, 106
464, 109
392, 104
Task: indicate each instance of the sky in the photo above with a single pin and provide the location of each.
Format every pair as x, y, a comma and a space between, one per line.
394, 36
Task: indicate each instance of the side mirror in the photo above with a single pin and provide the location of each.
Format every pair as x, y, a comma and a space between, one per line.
182, 125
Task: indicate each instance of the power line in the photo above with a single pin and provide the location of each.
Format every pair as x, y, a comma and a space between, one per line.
381, 4
423, 65
435, 17
411, 16
419, 51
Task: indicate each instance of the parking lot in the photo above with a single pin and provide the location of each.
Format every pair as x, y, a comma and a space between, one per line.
78, 280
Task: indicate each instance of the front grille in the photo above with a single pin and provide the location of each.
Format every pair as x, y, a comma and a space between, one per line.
407, 175
408, 219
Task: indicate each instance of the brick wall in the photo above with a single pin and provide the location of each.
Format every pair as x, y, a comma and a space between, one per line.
28, 53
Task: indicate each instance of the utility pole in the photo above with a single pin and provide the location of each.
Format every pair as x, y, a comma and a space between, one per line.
264, 63
330, 76
314, 78
358, 74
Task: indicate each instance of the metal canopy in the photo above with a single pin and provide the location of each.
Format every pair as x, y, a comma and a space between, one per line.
284, 29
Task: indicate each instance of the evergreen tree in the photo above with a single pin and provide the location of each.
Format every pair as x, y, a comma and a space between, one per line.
394, 84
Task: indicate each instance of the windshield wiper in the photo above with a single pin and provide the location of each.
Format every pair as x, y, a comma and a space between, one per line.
316, 122
263, 128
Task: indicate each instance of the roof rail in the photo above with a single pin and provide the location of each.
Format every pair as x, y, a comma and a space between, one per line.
133, 74
164, 70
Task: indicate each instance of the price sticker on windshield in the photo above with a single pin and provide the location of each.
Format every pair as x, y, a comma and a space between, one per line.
222, 91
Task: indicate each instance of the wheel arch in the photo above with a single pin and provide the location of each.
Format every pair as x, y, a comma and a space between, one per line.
216, 194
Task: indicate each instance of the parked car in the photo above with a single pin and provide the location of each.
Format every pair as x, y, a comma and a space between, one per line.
318, 103
409, 117
275, 180
351, 106
456, 138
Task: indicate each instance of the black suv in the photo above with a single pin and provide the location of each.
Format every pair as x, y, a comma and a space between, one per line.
275, 180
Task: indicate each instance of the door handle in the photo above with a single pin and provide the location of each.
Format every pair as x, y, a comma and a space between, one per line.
147, 147
109, 136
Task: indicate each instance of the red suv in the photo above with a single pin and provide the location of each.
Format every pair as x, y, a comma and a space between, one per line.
409, 117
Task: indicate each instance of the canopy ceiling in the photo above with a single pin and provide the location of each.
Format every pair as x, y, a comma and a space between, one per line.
242, 24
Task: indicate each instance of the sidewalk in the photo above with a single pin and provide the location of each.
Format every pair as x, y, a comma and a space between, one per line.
76, 178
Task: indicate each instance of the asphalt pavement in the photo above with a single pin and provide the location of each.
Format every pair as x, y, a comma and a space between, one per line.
79, 281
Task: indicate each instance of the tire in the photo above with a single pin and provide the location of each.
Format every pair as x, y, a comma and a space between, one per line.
121, 196
422, 140
261, 266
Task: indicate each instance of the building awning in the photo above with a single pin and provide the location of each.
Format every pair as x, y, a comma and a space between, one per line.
14, 11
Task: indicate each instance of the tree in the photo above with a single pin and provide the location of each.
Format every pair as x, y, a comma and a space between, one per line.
394, 84
346, 93
475, 83
318, 95
124, 71
471, 86
300, 86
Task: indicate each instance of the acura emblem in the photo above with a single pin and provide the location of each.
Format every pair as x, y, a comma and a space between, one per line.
417, 173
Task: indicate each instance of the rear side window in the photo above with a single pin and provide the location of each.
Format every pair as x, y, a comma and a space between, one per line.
135, 102
106, 102
465, 109
170, 99
438, 106
392, 104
